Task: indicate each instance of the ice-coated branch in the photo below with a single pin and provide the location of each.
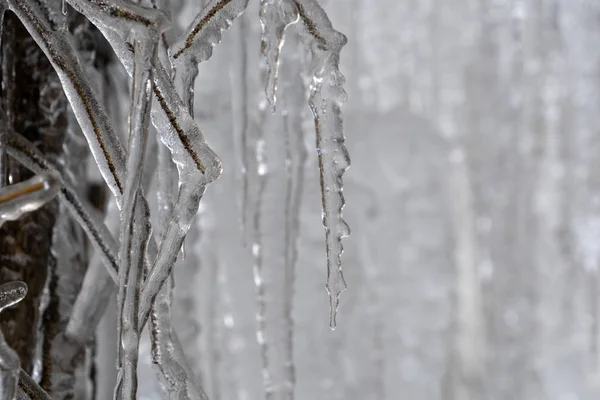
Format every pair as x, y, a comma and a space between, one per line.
196, 162
197, 42
27, 196
275, 17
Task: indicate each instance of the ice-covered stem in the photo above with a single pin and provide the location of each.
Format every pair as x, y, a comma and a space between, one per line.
132, 251
326, 98
197, 41
275, 17
30, 388
27, 196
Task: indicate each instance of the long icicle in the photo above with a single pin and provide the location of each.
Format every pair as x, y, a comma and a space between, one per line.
326, 98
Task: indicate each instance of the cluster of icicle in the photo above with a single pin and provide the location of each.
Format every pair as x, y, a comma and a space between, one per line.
137, 263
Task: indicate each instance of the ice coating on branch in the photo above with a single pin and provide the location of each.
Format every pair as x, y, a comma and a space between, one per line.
11, 293
27, 196
326, 98
204, 32
275, 17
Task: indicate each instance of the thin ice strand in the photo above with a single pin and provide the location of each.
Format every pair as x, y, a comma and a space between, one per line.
296, 154
239, 100
257, 255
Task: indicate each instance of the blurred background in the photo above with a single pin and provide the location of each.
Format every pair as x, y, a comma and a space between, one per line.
473, 199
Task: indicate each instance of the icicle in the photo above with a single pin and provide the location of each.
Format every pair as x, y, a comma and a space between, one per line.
135, 227
326, 98
27, 196
275, 17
